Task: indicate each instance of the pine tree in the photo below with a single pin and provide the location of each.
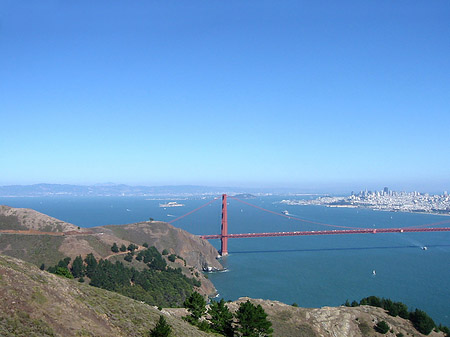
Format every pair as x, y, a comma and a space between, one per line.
91, 264
77, 267
253, 320
221, 318
196, 304
115, 248
162, 328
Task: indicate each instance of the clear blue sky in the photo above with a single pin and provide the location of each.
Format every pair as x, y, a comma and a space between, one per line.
305, 94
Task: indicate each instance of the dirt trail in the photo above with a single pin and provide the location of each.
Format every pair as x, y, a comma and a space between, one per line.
35, 232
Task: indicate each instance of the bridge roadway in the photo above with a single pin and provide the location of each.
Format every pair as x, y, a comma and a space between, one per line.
328, 232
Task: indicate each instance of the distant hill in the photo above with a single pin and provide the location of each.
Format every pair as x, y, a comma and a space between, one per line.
110, 190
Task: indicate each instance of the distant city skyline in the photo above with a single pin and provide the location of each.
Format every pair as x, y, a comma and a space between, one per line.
319, 96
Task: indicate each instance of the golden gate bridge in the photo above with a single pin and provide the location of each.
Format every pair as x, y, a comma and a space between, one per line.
224, 235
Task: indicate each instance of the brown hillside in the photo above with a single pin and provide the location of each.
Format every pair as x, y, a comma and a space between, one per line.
37, 303
289, 321
24, 218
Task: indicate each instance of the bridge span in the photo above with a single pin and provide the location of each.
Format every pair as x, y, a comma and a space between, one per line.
328, 232
224, 235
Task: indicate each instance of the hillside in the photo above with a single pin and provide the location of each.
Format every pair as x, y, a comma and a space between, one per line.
289, 321
21, 236
28, 219
37, 303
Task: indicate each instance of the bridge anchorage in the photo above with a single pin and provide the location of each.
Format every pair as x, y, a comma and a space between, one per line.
224, 236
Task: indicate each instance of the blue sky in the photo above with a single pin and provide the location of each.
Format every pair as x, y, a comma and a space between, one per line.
305, 94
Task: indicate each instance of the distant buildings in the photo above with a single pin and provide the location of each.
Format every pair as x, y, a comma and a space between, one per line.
385, 200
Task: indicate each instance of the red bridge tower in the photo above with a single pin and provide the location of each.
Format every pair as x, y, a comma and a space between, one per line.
224, 231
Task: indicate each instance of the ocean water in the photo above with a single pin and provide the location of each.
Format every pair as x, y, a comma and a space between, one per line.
313, 271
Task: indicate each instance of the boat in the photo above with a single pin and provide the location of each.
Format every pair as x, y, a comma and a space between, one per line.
424, 248
285, 212
171, 204
374, 272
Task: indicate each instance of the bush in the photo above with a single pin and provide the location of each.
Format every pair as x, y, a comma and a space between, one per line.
165, 252
382, 327
172, 257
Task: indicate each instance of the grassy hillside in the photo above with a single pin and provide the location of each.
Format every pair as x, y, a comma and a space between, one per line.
37, 303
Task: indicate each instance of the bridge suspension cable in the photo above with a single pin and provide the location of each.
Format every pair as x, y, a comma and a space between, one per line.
429, 225
195, 210
290, 217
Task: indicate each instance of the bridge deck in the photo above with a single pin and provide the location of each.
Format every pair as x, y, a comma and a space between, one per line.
328, 232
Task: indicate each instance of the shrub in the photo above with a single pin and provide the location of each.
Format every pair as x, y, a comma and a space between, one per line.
382, 327
172, 257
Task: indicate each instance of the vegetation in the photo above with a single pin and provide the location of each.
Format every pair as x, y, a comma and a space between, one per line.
162, 329
253, 320
78, 269
250, 320
382, 327
115, 248
421, 321
221, 318
156, 285
196, 305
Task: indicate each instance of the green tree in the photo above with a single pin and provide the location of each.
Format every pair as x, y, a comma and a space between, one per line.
421, 321
145, 244
165, 252
64, 263
115, 248
196, 305
382, 327
221, 318
91, 264
162, 328
172, 257
128, 257
123, 248
77, 267
253, 320
132, 247
42, 267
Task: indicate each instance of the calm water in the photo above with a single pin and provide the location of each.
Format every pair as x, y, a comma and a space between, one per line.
311, 271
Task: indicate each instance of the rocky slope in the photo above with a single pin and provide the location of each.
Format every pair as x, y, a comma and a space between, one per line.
289, 321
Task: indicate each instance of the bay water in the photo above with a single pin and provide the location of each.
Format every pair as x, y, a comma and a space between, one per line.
312, 271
